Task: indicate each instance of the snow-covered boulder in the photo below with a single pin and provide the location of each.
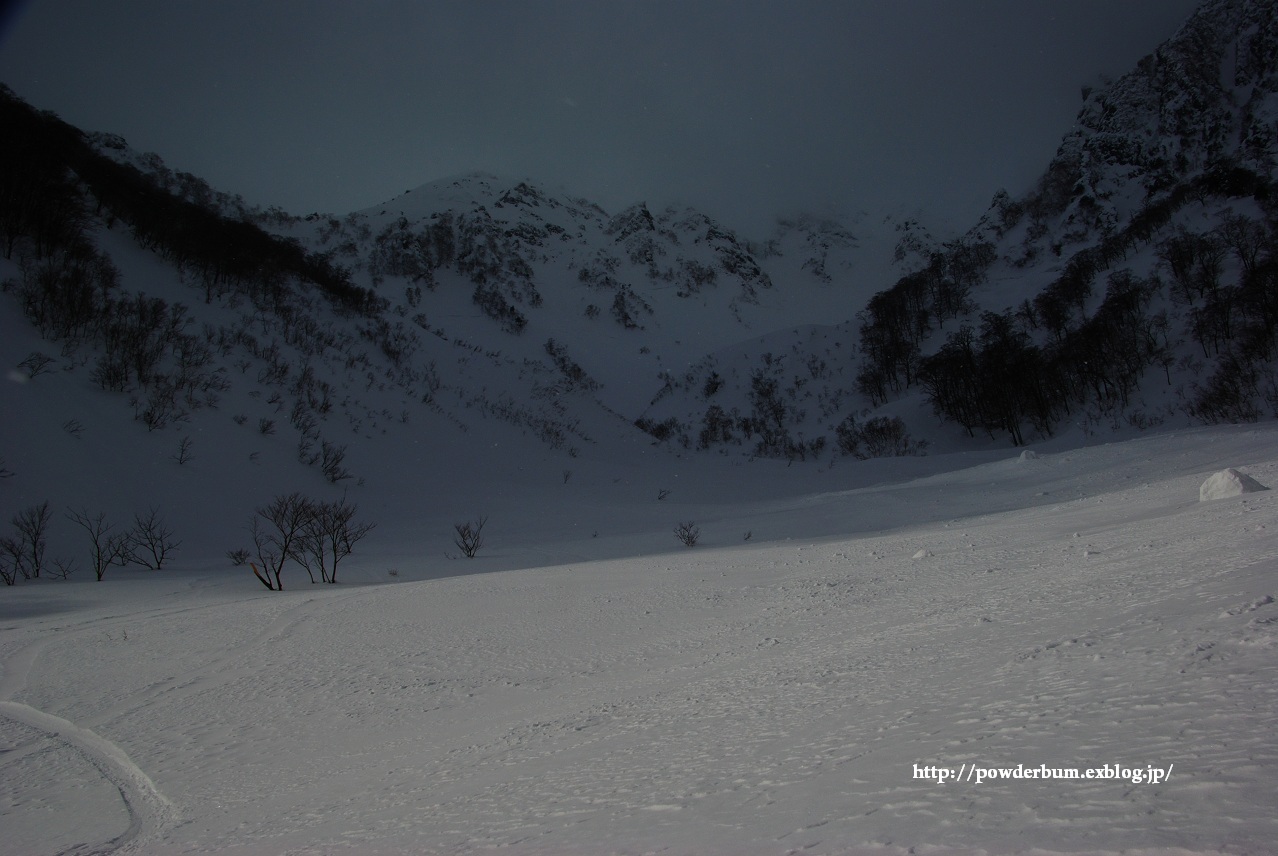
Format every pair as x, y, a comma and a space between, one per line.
1028, 455
1227, 483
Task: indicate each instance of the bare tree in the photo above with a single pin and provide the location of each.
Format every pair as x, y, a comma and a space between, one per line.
470, 536
328, 537
1246, 237
275, 528
11, 563
308, 548
688, 533
107, 549
31, 524
266, 554
341, 532
151, 541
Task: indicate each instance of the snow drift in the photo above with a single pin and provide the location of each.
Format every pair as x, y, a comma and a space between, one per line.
1227, 483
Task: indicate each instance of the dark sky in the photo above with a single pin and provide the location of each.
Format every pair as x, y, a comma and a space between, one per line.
747, 108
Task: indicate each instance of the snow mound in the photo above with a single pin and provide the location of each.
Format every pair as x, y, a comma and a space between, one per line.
1228, 483
1029, 455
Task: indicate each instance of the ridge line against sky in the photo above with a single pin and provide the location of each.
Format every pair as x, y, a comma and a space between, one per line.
747, 109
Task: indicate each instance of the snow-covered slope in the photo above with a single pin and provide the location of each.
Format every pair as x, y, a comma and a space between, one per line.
797, 692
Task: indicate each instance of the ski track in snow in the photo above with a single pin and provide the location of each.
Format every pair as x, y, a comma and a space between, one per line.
150, 815
764, 699
147, 813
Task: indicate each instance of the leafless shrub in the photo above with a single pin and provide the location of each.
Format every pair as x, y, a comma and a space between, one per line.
331, 458
184, 451
882, 437
161, 405
238, 556
470, 536
36, 364
687, 533
62, 569
305, 449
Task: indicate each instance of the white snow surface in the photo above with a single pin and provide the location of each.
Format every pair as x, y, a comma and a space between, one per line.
626, 695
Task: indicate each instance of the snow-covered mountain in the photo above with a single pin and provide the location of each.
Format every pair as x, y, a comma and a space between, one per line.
1130, 289
627, 298
461, 333
473, 304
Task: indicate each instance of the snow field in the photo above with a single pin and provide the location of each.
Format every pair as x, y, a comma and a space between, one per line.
756, 698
